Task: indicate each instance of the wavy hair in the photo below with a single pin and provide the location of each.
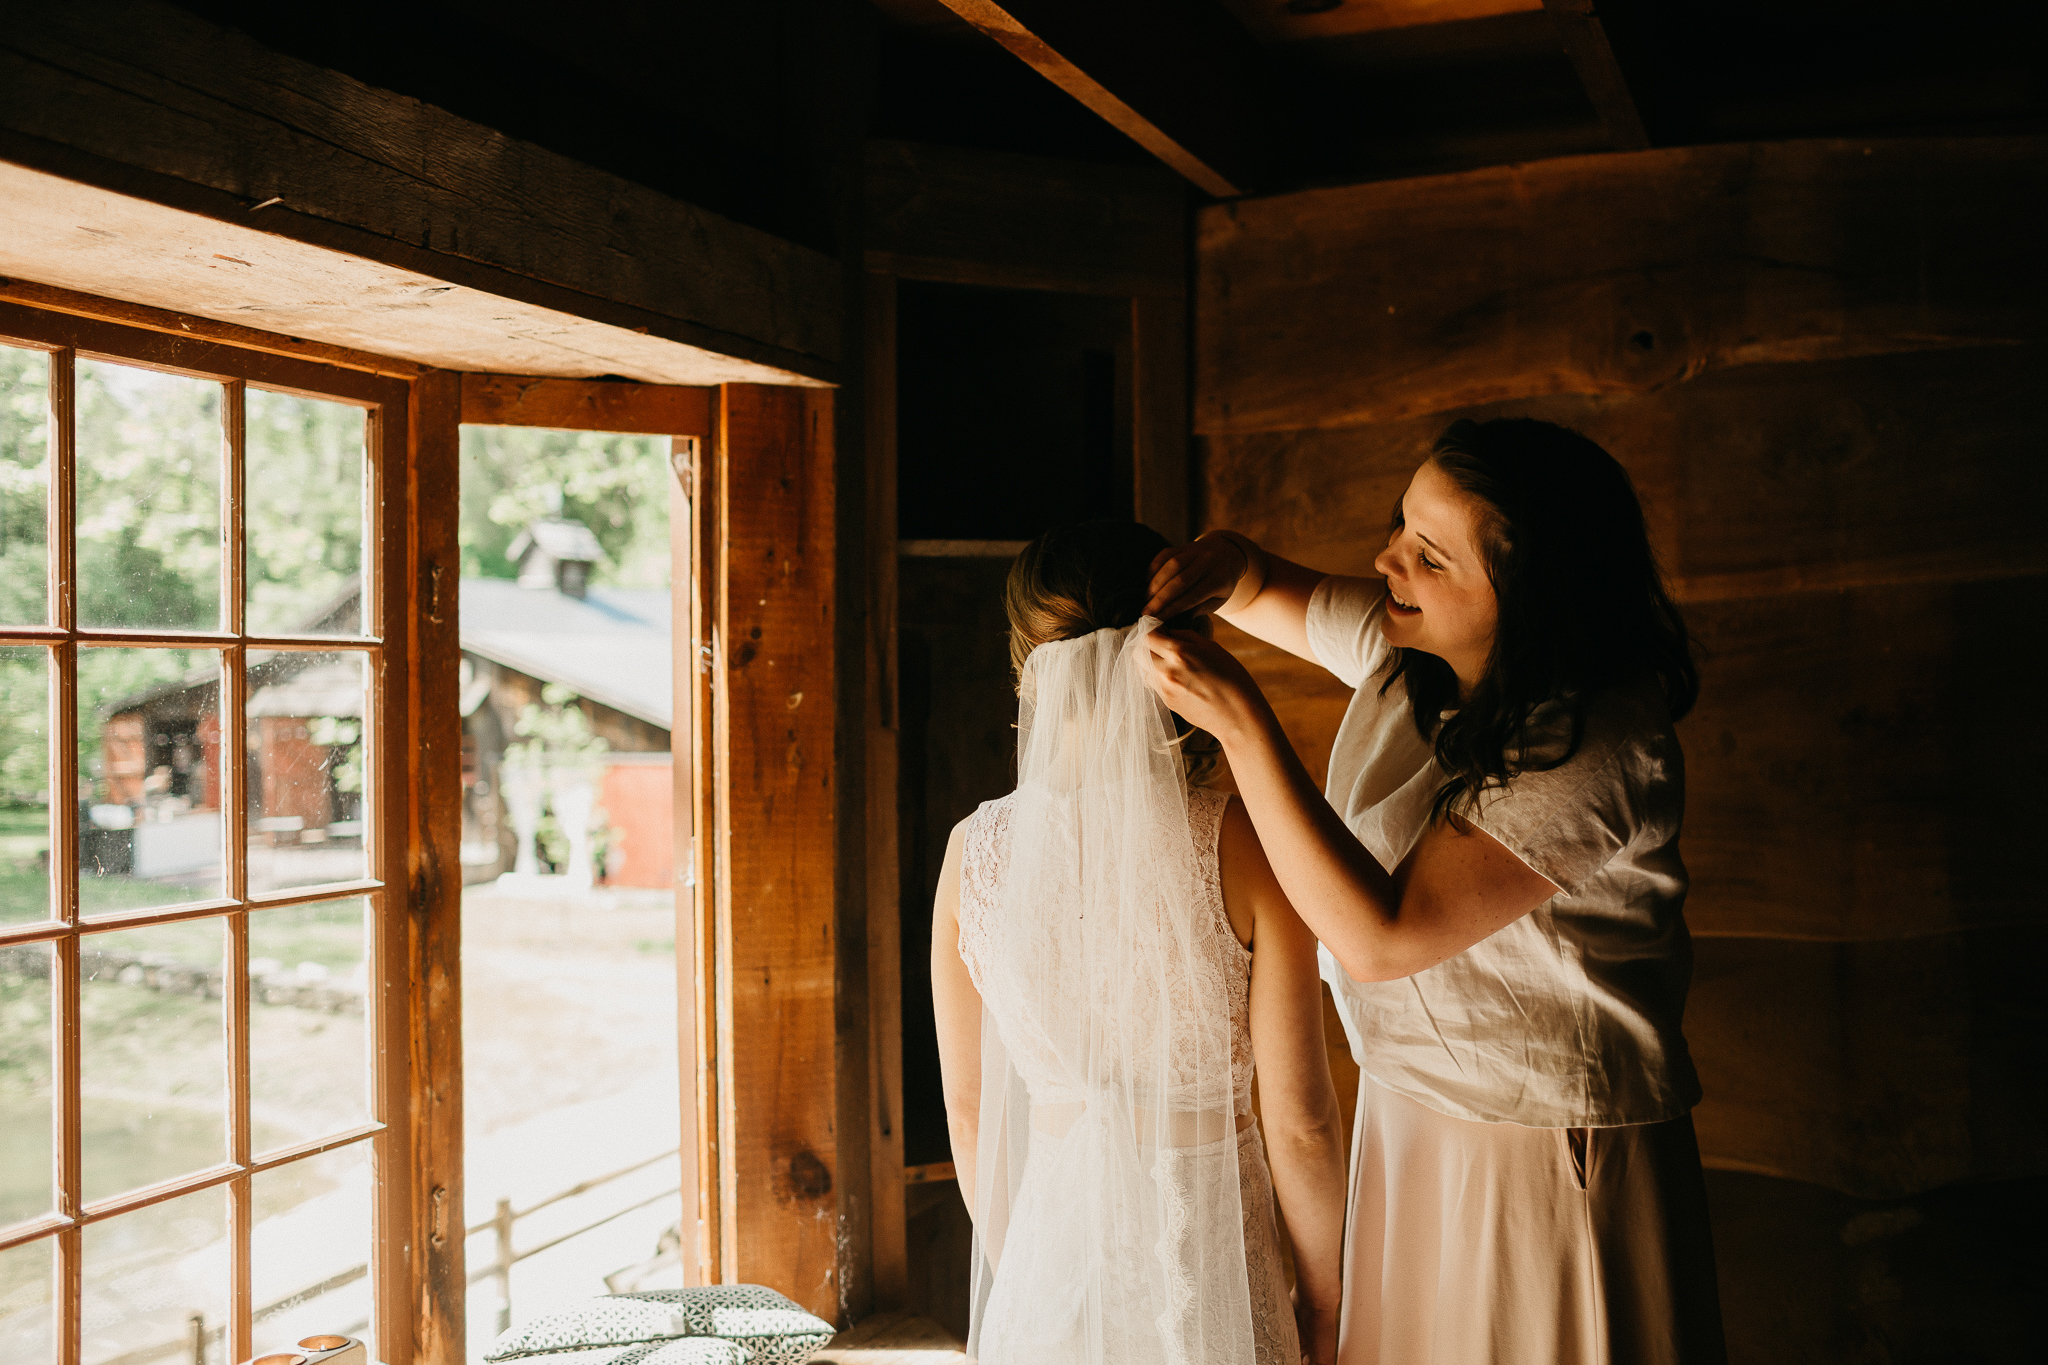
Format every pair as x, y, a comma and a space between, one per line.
1582, 604
1087, 576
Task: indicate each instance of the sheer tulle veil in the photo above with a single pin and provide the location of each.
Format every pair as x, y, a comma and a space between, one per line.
1108, 1219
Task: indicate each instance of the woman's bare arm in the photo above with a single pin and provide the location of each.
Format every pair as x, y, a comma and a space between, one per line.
957, 1005
1297, 1102
1230, 575
1458, 886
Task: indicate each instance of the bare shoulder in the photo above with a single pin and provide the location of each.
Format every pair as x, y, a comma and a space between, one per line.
1244, 857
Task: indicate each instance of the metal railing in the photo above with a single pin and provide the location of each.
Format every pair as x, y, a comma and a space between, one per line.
196, 1345
501, 1222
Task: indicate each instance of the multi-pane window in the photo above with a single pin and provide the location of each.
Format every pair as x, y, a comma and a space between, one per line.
191, 860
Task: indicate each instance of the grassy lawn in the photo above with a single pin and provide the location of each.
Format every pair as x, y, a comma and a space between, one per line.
24, 833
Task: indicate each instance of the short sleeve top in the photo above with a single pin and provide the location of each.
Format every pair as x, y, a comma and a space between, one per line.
1570, 1016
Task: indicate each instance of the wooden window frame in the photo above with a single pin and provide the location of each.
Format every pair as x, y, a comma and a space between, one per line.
64, 336
754, 505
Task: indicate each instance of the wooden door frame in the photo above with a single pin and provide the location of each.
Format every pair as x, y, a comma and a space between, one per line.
951, 217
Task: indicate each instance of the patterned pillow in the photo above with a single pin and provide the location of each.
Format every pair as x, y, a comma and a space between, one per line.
678, 1351
769, 1328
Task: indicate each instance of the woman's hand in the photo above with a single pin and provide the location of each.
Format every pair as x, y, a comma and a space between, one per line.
1203, 683
1198, 577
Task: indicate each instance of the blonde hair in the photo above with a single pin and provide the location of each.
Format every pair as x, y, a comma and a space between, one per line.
1095, 575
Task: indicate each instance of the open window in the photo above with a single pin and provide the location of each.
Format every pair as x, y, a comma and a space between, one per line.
203, 847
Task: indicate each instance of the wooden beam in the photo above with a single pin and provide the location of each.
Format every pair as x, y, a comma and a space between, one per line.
510, 400
1179, 80
1585, 41
421, 1216
152, 102
173, 323
1618, 273
775, 667
1009, 221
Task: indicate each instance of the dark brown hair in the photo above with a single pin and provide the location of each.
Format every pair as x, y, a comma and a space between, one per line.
1582, 604
1087, 576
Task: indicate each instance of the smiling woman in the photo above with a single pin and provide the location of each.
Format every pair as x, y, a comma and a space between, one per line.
1496, 882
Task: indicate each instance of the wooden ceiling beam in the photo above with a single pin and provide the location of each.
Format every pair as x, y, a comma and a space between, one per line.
1585, 41
1181, 81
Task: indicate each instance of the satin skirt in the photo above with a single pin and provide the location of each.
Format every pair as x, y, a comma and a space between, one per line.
1493, 1244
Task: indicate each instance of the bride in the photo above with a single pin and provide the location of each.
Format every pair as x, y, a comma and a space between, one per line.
1111, 954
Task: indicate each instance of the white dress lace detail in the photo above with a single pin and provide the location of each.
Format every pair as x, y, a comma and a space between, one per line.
1227, 963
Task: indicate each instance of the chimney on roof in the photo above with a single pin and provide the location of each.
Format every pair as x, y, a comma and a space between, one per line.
555, 552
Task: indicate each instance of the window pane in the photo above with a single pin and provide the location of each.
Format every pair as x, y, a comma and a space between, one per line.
157, 1278
311, 1262
306, 773
309, 978
303, 470
152, 1054
28, 1300
24, 784
27, 1182
149, 470
149, 742
24, 484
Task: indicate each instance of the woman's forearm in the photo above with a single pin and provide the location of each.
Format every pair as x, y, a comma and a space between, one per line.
1309, 1183
1337, 887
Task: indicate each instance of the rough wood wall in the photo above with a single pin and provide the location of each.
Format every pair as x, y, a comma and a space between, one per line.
1822, 364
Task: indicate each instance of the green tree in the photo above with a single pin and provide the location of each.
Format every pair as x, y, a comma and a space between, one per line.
24, 482
615, 485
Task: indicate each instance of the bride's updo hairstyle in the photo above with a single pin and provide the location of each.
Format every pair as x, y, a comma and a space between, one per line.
1582, 604
1087, 576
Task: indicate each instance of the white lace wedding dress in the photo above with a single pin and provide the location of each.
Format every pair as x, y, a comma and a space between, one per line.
1057, 1294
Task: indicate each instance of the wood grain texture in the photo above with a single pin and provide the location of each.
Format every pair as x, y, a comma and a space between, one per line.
776, 668
423, 1290
173, 323
1620, 273
1846, 778
1181, 82
1760, 480
1877, 1069
144, 98
1849, 592
1024, 222
509, 400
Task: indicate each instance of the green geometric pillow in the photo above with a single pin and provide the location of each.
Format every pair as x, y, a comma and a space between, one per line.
769, 1328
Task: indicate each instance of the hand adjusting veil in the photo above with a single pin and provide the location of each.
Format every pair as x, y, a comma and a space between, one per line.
1108, 1221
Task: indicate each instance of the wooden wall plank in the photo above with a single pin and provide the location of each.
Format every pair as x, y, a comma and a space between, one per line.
776, 669
144, 98
509, 400
1835, 756
1609, 274
1758, 480
1878, 1069
423, 1294
1024, 222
